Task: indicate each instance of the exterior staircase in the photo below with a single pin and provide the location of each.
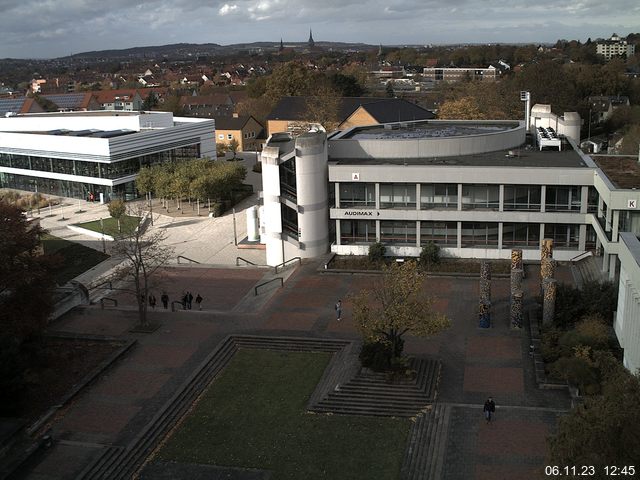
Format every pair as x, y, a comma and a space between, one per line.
587, 269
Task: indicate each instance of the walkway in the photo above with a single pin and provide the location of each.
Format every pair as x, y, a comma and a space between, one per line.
475, 363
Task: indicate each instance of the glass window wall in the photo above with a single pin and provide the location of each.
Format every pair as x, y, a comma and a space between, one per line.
397, 195
520, 235
441, 233
439, 196
480, 197
479, 234
563, 235
357, 195
394, 232
357, 232
522, 197
562, 199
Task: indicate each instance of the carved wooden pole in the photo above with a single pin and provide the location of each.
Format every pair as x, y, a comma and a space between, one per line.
516, 309
484, 309
549, 301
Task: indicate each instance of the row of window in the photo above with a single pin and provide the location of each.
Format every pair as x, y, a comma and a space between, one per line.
111, 171
474, 196
246, 135
473, 234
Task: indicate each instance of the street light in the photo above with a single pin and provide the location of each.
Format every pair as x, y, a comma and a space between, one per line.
104, 246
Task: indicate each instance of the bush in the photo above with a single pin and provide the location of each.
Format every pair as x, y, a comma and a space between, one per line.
578, 371
376, 355
573, 304
217, 208
257, 167
376, 252
430, 254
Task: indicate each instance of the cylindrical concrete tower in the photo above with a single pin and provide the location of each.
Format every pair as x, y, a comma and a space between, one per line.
312, 176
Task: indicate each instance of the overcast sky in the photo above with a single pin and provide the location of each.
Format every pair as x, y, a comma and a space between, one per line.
53, 28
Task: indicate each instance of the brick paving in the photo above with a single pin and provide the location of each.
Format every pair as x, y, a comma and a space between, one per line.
475, 363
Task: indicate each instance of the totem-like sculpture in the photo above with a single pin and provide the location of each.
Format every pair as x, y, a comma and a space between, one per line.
516, 309
549, 301
484, 309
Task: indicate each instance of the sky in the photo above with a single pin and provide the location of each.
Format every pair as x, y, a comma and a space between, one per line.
54, 28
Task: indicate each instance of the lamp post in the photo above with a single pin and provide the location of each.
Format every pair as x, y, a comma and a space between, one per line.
151, 208
104, 245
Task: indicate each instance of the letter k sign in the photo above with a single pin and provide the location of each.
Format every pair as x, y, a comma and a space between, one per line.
632, 203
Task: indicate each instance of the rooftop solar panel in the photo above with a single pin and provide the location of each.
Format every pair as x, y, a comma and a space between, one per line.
71, 100
11, 105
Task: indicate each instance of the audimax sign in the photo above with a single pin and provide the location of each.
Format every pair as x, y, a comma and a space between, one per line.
361, 213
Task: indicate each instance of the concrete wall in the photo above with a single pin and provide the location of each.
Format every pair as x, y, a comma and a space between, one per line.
627, 320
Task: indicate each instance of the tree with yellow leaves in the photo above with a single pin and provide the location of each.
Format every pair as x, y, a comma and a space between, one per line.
397, 305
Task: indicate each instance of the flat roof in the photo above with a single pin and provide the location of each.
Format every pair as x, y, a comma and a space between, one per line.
428, 129
515, 157
623, 171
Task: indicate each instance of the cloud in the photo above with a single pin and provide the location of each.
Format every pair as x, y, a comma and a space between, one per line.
226, 9
52, 28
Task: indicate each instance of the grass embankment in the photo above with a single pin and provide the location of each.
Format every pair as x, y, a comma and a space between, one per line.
74, 258
254, 416
127, 224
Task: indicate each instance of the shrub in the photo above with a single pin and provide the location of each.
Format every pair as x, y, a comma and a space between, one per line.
577, 370
430, 254
376, 252
573, 304
257, 167
376, 355
217, 208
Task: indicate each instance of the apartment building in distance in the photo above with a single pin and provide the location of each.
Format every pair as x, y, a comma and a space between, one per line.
457, 74
615, 47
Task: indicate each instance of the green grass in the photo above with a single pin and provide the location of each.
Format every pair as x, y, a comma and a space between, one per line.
74, 258
254, 416
127, 223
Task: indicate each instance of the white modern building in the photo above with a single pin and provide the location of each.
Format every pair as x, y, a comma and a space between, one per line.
615, 47
457, 74
73, 154
477, 189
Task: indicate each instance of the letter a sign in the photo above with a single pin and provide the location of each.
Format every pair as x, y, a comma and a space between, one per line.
355, 177
632, 204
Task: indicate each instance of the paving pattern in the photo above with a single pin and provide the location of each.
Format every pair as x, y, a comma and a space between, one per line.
114, 412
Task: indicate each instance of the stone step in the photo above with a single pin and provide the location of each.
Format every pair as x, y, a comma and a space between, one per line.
335, 399
365, 411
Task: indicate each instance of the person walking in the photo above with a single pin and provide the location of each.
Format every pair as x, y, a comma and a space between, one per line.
199, 301
152, 301
184, 300
338, 308
189, 300
489, 409
164, 298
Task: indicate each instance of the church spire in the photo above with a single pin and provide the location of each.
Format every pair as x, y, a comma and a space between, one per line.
281, 45
311, 43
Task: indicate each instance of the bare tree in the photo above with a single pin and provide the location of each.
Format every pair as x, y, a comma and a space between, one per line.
144, 252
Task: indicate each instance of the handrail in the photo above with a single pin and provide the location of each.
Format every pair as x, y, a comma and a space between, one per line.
108, 282
283, 264
247, 261
255, 290
583, 254
173, 305
115, 302
186, 258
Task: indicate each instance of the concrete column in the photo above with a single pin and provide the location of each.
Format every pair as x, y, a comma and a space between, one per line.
584, 199
615, 222
613, 264
418, 234
338, 232
501, 198
582, 239
459, 198
337, 194
377, 196
499, 235
417, 196
600, 205
607, 227
541, 235
605, 262
459, 234
543, 201
377, 230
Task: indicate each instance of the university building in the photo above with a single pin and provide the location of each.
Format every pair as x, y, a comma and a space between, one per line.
73, 154
476, 188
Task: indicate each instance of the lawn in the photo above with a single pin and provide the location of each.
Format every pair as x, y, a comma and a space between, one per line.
254, 416
74, 258
127, 223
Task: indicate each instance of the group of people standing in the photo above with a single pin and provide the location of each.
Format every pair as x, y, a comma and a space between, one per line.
186, 300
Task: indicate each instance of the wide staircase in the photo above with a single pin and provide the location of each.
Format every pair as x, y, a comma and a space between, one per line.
378, 394
587, 269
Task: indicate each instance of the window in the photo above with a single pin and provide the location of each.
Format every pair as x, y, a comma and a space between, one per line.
397, 195
522, 197
440, 233
229, 136
398, 232
357, 195
289, 221
221, 136
357, 232
480, 197
288, 179
592, 200
479, 234
563, 235
521, 235
562, 199
439, 195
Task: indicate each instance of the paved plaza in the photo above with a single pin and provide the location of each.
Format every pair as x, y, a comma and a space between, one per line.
112, 411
